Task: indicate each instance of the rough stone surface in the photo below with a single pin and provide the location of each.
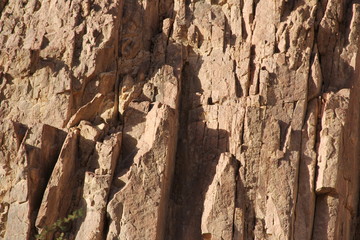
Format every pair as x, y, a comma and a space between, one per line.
96, 188
161, 119
219, 204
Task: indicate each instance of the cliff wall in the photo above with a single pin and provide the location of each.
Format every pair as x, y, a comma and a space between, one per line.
184, 120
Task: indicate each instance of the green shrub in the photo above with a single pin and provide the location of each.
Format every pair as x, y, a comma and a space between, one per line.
60, 225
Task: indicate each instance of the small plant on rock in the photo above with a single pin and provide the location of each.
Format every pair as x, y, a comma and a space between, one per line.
60, 225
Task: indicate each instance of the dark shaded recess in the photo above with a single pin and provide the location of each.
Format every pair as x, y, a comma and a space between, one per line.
244, 33
45, 42
255, 3
198, 152
357, 218
36, 184
41, 164
52, 141
96, 7
78, 46
200, 37
34, 58
37, 5
287, 8
336, 72
238, 89
276, 50
283, 132
20, 131
2, 5
252, 65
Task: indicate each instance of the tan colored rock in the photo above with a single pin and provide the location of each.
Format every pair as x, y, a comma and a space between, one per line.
331, 135
88, 112
325, 220
18, 227
139, 208
98, 178
159, 101
305, 207
219, 204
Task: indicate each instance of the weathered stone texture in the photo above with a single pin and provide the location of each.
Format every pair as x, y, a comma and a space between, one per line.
210, 119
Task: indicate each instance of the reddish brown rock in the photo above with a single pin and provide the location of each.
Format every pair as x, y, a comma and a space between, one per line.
60, 187
180, 119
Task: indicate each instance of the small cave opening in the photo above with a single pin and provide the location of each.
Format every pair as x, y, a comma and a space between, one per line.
210, 101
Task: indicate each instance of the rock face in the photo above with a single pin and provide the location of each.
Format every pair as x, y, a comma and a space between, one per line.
160, 119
